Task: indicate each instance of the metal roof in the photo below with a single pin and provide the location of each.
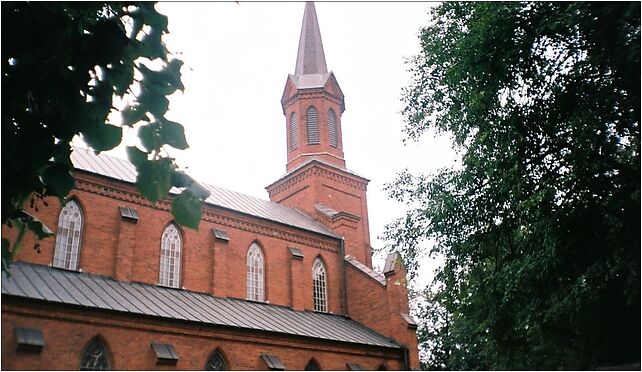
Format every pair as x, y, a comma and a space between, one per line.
98, 292
123, 170
366, 270
310, 58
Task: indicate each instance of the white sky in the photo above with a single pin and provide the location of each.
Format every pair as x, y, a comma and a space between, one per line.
237, 57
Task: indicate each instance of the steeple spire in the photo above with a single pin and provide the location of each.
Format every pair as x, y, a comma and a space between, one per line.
310, 58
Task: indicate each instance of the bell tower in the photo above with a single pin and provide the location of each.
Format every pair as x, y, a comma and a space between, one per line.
317, 180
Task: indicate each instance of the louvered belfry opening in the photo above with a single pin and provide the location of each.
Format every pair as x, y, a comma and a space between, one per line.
312, 119
294, 132
332, 128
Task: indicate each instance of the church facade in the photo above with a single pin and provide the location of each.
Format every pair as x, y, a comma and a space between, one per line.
285, 284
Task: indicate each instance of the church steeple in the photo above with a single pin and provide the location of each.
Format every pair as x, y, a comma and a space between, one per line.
317, 181
312, 102
310, 58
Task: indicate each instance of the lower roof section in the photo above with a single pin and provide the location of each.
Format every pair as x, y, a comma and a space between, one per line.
59, 286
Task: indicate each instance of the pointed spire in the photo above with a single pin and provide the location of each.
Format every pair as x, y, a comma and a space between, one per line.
310, 59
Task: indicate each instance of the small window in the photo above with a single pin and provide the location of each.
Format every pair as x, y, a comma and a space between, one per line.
216, 362
294, 132
332, 129
29, 339
170, 257
95, 357
67, 249
273, 362
165, 354
255, 273
313, 126
320, 295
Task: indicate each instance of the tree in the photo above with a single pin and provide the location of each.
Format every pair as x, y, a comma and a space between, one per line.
539, 226
64, 66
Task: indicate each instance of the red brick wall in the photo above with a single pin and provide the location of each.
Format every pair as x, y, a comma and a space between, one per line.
379, 307
208, 265
128, 340
338, 190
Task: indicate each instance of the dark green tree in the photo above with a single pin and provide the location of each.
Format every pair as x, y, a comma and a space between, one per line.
539, 224
63, 66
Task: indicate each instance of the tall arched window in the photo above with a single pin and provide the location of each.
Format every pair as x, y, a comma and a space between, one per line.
95, 357
313, 126
255, 273
332, 129
312, 366
170, 257
216, 362
67, 249
320, 293
294, 132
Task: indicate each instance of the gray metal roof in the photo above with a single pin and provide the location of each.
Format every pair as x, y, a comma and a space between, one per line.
310, 58
366, 270
123, 170
97, 292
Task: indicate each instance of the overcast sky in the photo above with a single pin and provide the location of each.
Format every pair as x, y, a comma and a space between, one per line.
237, 57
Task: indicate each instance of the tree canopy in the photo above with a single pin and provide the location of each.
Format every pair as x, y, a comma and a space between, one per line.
539, 228
64, 67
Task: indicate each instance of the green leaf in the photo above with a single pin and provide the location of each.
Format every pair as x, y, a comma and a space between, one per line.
180, 179
136, 156
173, 134
6, 257
58, 180
149, 137
132, 115
102, 137
154, 178
37, 227
186, 208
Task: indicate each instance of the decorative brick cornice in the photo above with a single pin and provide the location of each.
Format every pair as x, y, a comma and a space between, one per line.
316, 168
125, 192
311, 94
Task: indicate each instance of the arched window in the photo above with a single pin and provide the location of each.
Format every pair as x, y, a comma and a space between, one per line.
319, 286
67, 249
255, 273
95, 357
170, 257
313, 126
312, 366
332, 129
294, 132
216, 362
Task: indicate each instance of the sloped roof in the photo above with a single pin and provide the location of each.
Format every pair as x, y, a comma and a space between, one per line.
310, 58
97, 292
123, 170
366, 270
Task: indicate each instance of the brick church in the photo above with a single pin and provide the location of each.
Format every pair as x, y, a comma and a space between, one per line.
285, 284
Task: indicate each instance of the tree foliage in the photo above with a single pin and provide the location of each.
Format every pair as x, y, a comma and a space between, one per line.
539, 228
64, 66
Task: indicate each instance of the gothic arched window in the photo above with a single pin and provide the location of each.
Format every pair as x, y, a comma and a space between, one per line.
67, 249
255, 273
170, 257
95, 357
313, 126
294, 132
320, 294
216, 362
312, 366
332, 129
